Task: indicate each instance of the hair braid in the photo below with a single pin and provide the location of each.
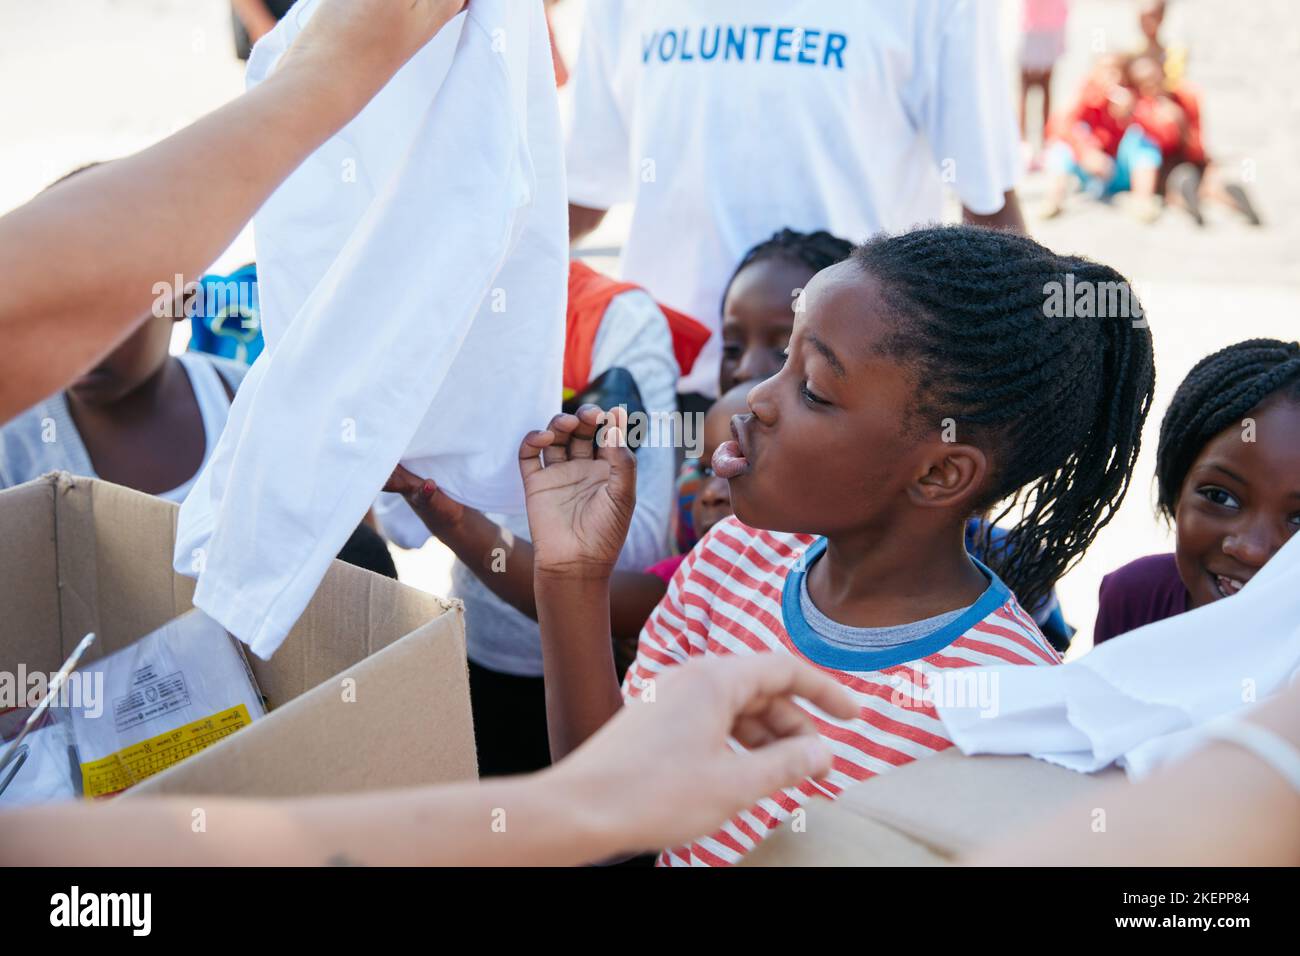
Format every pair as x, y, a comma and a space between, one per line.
1217, 393
1060, 401
817, 250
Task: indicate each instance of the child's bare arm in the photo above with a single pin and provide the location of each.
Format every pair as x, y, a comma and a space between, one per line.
634, 596
580, 495
504, 562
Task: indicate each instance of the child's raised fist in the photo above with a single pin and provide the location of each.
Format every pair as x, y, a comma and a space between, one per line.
580, 488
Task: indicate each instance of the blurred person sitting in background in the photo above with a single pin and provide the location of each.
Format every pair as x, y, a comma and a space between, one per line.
1097, 143
1170, 116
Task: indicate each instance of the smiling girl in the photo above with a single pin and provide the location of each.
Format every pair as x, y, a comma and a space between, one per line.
925, 383
1228, 471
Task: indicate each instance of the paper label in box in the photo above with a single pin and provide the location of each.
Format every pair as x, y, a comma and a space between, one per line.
173, 693
128, 766
151, 697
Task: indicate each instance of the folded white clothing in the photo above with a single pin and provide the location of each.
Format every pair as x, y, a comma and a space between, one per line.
413, 276
1144, 698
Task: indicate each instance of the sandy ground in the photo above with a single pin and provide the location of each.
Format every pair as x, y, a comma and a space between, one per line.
94, 79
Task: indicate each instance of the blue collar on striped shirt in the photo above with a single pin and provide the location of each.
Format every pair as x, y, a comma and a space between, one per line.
822, 652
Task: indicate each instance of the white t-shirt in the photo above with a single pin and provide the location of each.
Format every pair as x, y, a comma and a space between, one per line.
726, 121
633, 335
412, 280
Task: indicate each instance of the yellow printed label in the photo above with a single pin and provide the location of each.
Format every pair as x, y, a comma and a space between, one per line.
116, 772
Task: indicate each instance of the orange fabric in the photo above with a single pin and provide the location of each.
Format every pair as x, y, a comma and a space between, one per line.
1090, 123
590, 293
1177, 141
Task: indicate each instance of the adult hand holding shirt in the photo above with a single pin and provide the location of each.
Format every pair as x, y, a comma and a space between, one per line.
413, 265
59, 318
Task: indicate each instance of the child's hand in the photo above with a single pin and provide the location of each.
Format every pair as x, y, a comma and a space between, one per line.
436, 509
580, 497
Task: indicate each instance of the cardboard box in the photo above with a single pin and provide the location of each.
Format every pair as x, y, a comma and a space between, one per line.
369, 691
927, 813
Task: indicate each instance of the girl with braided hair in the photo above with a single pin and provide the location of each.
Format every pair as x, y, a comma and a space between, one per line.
928, 379
1228, 477
758, 302
757, 319
757, 316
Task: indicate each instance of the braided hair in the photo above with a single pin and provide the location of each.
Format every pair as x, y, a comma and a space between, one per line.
1217, 393
817, 250
1058, 400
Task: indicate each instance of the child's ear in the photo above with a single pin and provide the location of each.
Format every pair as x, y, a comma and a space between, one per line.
953, 476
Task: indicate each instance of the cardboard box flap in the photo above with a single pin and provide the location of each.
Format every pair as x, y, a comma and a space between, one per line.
831, 837
115, 560
114, 577
399, 718
369, 690
934, 810
362, 612
29, 619
956, 803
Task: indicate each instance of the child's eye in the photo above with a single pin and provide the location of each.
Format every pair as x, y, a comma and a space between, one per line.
1219, 496
809, 396
782, 356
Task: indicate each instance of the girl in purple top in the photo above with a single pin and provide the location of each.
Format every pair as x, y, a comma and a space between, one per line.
1228, 472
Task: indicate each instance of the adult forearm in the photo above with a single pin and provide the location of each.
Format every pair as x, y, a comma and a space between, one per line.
546, 819
80, 262
1220, 806
582, 691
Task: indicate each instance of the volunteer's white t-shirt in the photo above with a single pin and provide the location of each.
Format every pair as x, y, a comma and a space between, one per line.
726, 121
412, 281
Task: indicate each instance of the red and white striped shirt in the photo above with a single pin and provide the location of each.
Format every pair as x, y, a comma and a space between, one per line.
737, 592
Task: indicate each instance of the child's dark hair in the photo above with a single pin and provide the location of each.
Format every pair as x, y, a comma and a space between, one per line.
1059, 401
1216, 394
817, 250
